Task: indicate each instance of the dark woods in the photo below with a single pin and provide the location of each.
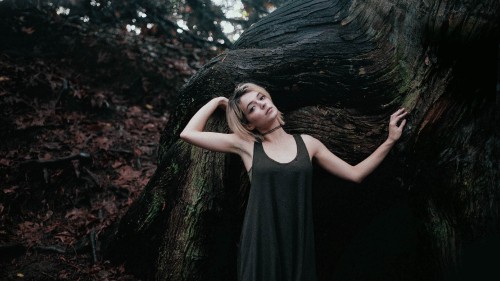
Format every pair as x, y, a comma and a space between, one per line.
86, 88
89, 190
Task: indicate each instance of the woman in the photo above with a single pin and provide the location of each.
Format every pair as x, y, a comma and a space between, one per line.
277, 239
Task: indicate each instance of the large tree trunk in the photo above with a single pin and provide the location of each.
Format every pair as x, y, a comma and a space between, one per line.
338, 69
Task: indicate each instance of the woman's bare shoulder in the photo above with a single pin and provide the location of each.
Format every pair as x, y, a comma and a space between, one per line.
312, 143
309, 140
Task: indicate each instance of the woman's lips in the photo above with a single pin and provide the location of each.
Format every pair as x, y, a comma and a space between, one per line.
269, 109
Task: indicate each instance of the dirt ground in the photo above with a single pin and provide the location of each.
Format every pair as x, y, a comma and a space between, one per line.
69, 168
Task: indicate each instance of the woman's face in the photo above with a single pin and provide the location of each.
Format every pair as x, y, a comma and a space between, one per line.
259, 110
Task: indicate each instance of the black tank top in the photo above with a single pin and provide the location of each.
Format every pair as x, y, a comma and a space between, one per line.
277, 239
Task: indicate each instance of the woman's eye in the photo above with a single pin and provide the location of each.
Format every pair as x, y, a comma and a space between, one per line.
262, 97
252, 108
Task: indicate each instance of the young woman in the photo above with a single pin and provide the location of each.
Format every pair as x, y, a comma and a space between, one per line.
277, 239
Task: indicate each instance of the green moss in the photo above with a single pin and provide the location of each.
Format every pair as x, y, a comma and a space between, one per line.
440, 229
405, 77
154, 208
174, 168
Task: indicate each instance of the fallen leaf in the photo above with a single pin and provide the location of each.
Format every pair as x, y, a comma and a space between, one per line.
28, 30
103, 143
149, 127
10, 190
117, 164
137, 151
127, 173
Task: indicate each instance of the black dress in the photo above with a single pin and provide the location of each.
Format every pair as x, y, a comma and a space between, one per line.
277, 239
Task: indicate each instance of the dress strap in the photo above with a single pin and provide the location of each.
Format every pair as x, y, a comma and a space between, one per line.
301, 147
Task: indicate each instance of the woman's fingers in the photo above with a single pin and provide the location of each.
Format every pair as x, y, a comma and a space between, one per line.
402, 109
223, 101
397, 123
401, 126
396, 116
400, 112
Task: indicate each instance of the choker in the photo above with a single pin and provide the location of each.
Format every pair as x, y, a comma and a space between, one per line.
272, 130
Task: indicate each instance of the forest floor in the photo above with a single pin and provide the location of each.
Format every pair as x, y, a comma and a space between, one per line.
66, 176
71, 164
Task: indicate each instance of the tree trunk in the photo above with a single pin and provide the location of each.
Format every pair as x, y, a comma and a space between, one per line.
338, 69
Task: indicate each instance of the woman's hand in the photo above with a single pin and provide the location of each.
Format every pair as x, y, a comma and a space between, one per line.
396, 125
221, 102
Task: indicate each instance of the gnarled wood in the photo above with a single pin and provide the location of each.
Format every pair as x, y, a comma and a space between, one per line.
338, 69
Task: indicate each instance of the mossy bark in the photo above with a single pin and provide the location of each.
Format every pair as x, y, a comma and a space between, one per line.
338, 69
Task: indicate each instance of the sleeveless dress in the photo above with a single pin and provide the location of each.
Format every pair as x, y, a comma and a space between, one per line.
277, 238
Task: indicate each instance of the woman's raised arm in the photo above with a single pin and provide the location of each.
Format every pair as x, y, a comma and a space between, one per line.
194, 132
358, 173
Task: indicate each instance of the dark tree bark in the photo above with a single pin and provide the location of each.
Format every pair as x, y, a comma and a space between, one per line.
338, 69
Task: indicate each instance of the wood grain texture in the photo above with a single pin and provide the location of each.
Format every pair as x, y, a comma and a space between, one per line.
338, 69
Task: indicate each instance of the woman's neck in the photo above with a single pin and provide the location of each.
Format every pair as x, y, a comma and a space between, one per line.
272, 130
276, 135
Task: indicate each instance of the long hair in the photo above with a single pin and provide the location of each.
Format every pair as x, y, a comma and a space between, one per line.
235, 116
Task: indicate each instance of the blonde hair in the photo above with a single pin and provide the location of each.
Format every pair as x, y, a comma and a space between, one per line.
236, 117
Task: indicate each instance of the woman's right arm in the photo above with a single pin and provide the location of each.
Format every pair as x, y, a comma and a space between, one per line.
194, 132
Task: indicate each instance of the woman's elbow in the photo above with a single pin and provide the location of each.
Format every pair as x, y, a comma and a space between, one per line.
357, 179
184, 135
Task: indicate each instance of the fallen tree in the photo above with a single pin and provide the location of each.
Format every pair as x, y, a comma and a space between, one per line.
338, 69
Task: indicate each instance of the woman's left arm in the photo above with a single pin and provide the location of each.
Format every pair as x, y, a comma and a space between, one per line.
358, 173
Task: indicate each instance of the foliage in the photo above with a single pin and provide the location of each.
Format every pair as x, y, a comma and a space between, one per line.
86, 87
205, 22
82, 106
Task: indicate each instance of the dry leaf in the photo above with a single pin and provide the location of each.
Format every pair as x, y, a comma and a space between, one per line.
5, 162
28, 30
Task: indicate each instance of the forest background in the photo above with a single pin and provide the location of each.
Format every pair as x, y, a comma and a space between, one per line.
86, 87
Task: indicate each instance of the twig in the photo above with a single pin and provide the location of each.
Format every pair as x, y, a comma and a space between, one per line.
93, 177
64, 90
93, 246
56, 163
121, 151
57, 249
49, 275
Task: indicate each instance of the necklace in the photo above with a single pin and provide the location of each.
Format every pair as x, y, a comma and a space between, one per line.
272, 130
